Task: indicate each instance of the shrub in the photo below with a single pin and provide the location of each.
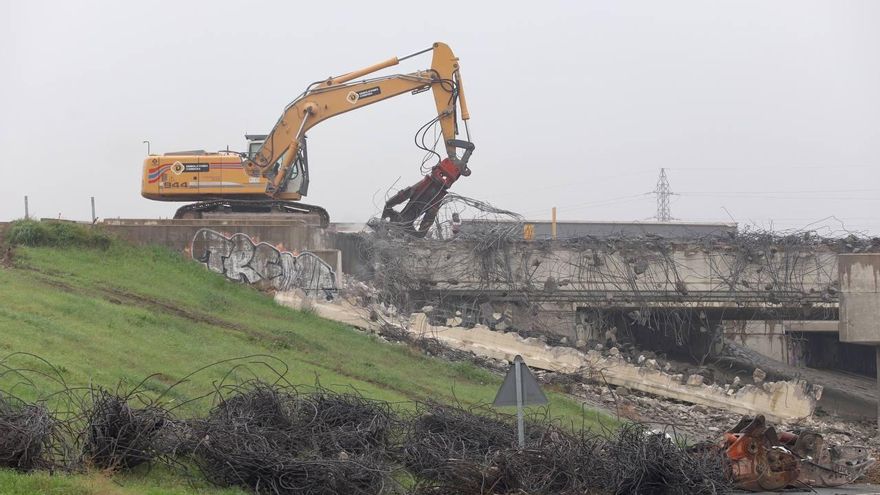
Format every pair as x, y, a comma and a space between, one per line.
56, 234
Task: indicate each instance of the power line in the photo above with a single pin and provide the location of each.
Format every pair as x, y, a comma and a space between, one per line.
801, 191
601, 202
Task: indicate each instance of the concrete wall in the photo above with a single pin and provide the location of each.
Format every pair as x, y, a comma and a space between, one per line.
285, 235
242, 259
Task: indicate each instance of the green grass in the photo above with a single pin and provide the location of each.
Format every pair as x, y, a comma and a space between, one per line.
155, 482
119, 314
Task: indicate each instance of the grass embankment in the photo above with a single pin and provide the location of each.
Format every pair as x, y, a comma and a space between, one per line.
110, 313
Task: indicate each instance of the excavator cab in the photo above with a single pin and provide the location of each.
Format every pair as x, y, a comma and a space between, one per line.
297, 180
255, 141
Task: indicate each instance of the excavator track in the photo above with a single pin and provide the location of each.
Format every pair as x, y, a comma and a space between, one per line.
233, 207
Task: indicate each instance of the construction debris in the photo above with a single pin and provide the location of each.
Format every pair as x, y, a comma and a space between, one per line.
762, 459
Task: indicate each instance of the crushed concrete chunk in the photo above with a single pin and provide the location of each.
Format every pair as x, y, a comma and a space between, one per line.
696, 380
759, 375
454, 321
611, 335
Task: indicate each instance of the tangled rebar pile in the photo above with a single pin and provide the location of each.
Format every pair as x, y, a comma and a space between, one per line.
25, 435
271, 437
274, 439
454, 447
635, 460
119, 436
454, 450
344, 424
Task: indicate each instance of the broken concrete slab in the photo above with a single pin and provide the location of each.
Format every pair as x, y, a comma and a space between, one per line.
778, 401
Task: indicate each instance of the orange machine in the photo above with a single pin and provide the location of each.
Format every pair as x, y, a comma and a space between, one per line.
274, 174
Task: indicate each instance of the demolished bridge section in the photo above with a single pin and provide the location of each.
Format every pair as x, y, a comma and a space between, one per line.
778, 401
737, 274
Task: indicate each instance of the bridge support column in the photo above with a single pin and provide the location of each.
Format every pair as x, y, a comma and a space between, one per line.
859, 277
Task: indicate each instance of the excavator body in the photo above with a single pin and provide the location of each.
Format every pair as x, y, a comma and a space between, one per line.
222, 186
194, 177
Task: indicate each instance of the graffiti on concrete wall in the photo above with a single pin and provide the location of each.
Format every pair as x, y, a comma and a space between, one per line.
240, 258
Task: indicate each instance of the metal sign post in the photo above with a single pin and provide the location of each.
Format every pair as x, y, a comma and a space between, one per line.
519, 389
520, 426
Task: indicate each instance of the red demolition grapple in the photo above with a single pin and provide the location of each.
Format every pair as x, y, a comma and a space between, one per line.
425, 197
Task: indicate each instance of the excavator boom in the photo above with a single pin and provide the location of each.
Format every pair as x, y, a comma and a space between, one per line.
341, 94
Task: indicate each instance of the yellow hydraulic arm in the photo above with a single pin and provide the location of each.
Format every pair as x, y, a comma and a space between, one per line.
341, 94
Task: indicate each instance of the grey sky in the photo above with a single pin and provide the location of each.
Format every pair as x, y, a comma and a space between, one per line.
770, 109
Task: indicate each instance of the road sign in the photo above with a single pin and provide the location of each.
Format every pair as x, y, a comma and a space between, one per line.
519, 389
531, 391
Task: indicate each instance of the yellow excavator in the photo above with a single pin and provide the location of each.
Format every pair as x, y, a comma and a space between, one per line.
273, 174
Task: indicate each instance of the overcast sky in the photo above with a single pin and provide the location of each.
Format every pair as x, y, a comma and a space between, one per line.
767, 112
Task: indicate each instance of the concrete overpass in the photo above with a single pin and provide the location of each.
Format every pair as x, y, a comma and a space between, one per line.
664, 293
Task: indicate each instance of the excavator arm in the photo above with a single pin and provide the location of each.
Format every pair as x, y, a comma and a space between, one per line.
284, 145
